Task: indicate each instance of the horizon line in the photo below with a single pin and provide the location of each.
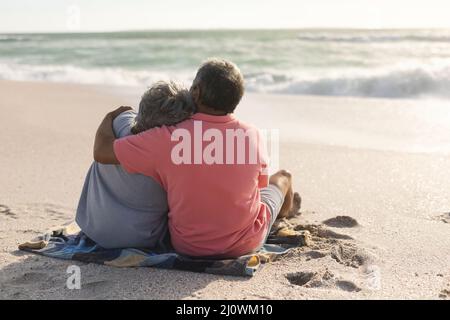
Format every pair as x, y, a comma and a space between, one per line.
225, 29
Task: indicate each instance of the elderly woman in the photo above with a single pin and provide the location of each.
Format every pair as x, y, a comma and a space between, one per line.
115, 209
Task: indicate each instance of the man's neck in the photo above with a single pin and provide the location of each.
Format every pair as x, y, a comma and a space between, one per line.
210, 111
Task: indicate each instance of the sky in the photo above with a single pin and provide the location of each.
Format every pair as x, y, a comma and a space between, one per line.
115, 15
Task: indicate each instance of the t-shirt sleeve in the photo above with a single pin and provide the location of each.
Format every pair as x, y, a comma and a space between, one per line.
142, 152
123, 122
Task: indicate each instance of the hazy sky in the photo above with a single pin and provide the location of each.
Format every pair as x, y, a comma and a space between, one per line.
109, 15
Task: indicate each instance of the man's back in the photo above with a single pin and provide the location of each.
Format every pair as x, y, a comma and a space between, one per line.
214, 200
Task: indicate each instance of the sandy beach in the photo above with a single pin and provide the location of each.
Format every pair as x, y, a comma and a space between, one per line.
380, 162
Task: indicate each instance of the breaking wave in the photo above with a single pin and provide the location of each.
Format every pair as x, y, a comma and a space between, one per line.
397, 83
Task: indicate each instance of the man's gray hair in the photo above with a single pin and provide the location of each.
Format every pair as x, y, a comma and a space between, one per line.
221, 84
164, 103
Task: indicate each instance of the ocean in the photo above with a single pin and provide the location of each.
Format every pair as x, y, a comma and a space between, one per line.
361, 63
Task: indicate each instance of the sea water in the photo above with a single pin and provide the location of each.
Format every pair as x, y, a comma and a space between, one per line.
362, 63
407, 71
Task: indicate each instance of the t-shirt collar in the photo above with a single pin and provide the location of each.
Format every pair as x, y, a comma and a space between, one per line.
210, 118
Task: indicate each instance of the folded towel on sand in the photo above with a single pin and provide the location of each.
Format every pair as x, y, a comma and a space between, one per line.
69, 243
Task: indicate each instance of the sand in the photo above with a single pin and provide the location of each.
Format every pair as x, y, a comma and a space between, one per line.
374, 194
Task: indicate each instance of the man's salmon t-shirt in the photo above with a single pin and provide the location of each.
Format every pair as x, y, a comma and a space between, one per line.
212, 168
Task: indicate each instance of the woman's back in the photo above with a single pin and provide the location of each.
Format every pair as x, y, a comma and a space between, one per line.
118, 209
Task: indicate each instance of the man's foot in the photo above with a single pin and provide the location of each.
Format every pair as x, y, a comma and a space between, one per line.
283, 180
296, 205
288, 204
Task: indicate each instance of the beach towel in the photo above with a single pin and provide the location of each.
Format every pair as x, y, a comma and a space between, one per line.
69, 243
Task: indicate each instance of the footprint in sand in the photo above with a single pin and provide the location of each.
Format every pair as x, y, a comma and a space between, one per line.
350, 255
321, 279
300, 278
341, 222
316, 254
27, 278
297, 204
47, 211
326, 243
321, 232
347, 286
445, 293
445, 217
33, 279
7, 211
95, 289
18, 295
54, 211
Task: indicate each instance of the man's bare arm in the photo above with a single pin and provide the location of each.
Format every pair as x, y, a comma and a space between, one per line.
104, 138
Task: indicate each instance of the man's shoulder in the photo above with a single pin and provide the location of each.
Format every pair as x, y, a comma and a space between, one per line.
246, 125
239, 124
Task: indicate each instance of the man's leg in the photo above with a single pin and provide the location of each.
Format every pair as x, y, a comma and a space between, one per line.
291, 201
280, 198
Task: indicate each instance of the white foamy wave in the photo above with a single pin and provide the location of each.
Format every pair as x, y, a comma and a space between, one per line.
400, 83
405, 82
72, 74
372, 38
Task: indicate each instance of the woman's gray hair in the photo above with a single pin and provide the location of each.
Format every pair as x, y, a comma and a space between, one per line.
164, 103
